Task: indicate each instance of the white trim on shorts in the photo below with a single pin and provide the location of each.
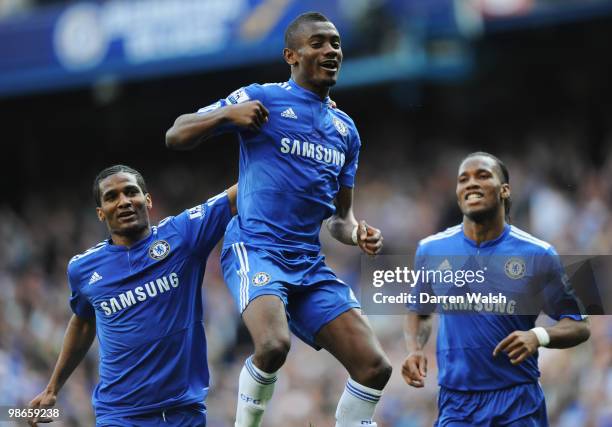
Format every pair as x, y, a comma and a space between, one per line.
243, 258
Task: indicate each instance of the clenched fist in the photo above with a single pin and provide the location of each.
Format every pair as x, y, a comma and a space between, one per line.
251, 115
45, 399
414, 369
369, 239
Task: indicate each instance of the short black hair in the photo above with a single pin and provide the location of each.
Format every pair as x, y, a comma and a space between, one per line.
294, 26
112, 170
503, 175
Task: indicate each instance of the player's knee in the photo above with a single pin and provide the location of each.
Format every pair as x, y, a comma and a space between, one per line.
384, 371
376, 373
272, 352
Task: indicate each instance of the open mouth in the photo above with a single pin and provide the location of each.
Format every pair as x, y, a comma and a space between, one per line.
473, 196
330, 65
127, 215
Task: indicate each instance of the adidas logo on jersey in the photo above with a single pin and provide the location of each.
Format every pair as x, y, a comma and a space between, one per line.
94, 278
288, 113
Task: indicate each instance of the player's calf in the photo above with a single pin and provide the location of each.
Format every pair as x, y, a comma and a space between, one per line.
362, 393
351, 340
266, 321
255, 389
257, 378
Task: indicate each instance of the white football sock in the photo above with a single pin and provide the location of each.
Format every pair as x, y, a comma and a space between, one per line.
255, 388
356, 406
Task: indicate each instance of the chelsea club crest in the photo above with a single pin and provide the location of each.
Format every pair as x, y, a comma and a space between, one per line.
159, 249
515, 268
340, 126
261, 279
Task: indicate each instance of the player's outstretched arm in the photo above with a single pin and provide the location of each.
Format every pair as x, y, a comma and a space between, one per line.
417, 329
519, 345
344, 227
189, 130
79, 336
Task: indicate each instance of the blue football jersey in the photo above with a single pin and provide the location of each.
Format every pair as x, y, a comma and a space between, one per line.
147, 301
514, 261
291, 171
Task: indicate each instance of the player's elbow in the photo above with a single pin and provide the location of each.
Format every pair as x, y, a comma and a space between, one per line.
173, 138
180, 136
577, 333
584, 331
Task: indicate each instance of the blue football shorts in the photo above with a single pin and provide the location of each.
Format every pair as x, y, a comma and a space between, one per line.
519, 406
312, 293
193, 415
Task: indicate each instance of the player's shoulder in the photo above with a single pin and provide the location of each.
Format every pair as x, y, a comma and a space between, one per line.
276, 87
92, 254
197, 212
165, 227
171, 225
244, 93
342, 115
441, 239
529, 242
259, 91
272, 88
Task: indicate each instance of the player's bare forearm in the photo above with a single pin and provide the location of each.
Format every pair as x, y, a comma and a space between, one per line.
189, 130
79, 336
417, 329
342, 223
80, 333
232, 195
344, 227
519, 345
568, 333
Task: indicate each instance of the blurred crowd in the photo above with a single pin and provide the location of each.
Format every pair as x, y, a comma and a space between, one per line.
558, 195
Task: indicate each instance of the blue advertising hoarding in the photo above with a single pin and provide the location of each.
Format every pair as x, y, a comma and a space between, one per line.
78, 44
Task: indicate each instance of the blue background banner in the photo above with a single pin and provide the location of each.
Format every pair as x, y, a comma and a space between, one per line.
75, 45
